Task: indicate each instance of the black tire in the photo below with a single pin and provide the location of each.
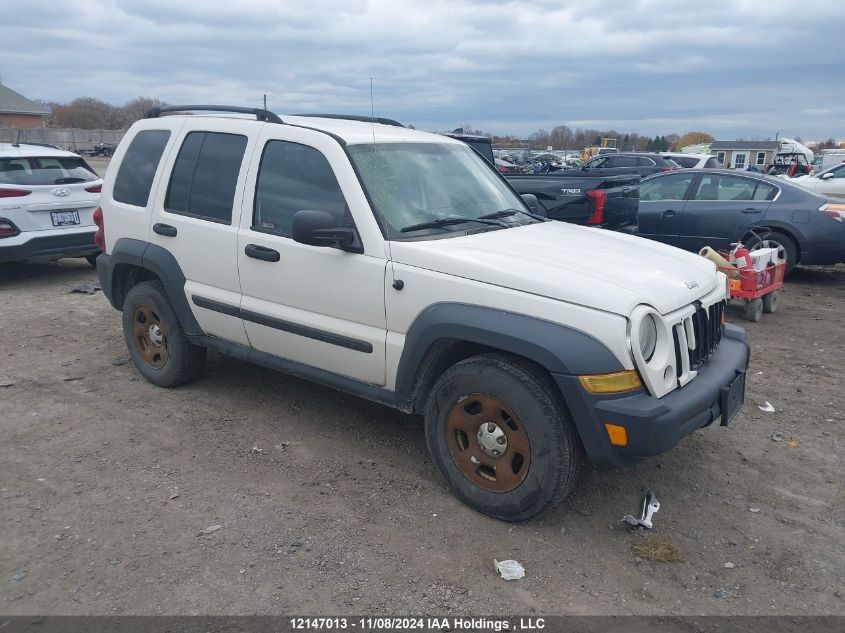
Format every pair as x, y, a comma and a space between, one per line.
770, 302
183, 361
555, 449
754, 310
92, 259
777, 240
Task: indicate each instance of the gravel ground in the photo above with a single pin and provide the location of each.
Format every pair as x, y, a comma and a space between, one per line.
328, 504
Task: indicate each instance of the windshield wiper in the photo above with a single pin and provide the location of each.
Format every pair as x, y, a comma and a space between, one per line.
69, 180
441, 222
506, 213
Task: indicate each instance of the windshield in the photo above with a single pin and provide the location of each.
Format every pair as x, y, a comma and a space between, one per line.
45, 171
417, 183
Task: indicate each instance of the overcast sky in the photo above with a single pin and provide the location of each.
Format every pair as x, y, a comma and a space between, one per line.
729, 67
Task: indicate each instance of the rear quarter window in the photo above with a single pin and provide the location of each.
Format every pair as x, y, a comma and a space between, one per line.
138, 168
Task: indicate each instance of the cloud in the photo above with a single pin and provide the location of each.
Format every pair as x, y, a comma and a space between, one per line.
731, 67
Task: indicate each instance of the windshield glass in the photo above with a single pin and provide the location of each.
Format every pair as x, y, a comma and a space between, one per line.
45, 171
415, 183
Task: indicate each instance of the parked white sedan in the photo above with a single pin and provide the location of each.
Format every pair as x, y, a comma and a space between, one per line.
829, 183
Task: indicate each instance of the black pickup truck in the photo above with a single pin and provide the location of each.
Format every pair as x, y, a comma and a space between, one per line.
611, 202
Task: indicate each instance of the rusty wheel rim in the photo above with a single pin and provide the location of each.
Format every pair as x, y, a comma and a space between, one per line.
150, 337
488, 442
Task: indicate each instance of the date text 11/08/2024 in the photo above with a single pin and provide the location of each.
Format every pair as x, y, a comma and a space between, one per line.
416, 624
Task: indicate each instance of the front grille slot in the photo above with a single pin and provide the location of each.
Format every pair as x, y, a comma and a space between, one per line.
706, 325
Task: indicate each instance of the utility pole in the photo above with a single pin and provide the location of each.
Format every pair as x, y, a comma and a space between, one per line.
265, 100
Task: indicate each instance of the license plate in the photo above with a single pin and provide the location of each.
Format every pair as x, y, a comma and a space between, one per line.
64, 218
731, 398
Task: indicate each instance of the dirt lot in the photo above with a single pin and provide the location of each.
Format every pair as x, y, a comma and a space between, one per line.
330, 504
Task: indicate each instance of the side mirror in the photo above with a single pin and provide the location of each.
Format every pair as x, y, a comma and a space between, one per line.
319, 228
827, 175
531, 201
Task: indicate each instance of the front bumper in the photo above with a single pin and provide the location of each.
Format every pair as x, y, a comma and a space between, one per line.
654, 425
48, 245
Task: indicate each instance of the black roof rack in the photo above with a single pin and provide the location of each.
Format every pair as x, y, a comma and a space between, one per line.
355, 117
259, 113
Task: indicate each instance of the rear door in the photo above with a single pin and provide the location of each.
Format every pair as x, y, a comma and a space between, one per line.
721, 209
45, 192
662, 201
196, 213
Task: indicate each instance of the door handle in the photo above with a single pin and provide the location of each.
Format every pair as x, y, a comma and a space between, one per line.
164, 229
262, 252
750, 210
668, 213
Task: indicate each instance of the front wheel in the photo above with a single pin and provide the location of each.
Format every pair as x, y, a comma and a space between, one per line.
499, 434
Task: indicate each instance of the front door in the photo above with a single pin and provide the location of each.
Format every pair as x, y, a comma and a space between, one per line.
721, 210
318, 306
662, 201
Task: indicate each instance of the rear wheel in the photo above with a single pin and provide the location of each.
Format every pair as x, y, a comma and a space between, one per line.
782, 243
158, 345
499, 434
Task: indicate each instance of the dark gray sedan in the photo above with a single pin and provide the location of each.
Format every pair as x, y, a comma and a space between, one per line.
695, 208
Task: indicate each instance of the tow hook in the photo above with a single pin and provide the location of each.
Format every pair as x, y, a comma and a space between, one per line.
649, 507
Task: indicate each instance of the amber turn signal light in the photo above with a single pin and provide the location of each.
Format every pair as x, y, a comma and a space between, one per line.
617, 382
617, 434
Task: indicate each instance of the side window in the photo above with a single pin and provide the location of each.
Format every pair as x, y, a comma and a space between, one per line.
666, 187
642, 161
136, 173
839, 172
711, 163
623, 161
720, 156
725, 188
291, 178
764, 192
205, 175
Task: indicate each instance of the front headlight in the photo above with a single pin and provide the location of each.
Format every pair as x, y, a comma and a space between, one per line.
648, 337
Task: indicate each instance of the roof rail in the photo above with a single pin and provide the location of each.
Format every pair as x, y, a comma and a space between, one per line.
355, 117
50, 145
259, 113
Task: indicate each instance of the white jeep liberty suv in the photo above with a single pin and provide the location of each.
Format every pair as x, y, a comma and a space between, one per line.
399, 266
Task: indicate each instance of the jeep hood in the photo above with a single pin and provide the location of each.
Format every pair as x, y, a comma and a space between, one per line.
588, 266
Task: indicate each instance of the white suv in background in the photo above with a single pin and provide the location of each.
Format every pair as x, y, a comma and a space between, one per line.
693, 161
401, 267
47, 201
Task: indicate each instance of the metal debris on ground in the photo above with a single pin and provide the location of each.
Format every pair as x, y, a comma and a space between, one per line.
19, 575
509, 569
87, 288
209, 530
767, 407
650, 505
777, 436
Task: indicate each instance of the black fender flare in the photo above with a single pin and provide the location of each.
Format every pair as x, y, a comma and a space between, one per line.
162, 264
557, 348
